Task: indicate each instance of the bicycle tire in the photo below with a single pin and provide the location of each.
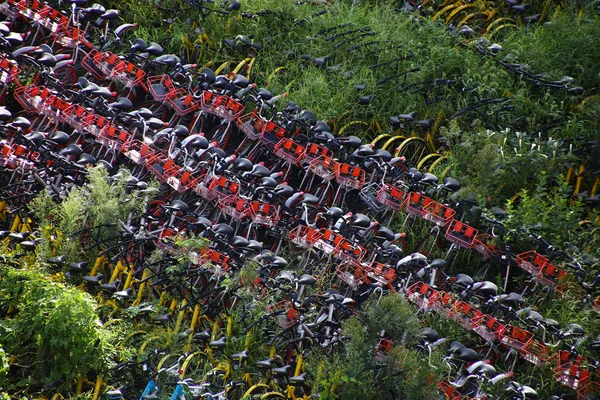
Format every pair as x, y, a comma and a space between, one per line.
413, 150
325, 192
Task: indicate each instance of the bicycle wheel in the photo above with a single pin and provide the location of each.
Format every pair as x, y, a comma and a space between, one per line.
159, 110
221, 134
324, 192
414, 150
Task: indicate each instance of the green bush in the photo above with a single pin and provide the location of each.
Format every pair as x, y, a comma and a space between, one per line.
51, 330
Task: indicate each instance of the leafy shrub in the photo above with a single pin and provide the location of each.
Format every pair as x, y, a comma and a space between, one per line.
52, 330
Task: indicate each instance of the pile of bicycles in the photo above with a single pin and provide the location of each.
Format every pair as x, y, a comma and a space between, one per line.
248, 180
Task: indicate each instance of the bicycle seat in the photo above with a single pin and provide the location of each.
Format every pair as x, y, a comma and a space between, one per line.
203, 336
265, 364
298, 380
259, 171
5, 115
93, 279
221, 82
466, 354
463, 280
310, 199
482, 368
139, 45
28, 245
511, 297
361, 221
57, 261
385, 233
307, 280
123, 294
574, 330
284, 191
429, 179
78, 2
268, 182
365, 100
37, 138
47, 60
333, 213
240, 81
264, 94
243, 164
320, 61
254, 245
321, 127
352, 142
77, 266
407, 117
241, 356
207, 75
167, 59
287, 275
71, 150
112, 286
430, 335
93, 10
395, 122
109, 15
162, 318
438, 263
239, 241
154, 49
381, 154
279, 262
231, 43
178, 205
363, 151
451, 184
143, 112
282, 371
122, 104
291, 107
218, 344
151, 396
486, 288
86, 159
498, 213
425, 123
235, 5
224, 229
18, 236
21, 123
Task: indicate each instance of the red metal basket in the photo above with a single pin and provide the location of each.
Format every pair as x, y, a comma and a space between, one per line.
160, 166
17, 150
483, 245
234, 206
328, 241
207, 100
129, 74
391, 196
531, 262
382, 273
161, 87
423, 295
463, 313
10, 9
51, 19
590, 391
8, 71
325, 167
438, 213
351, 273
286, 319
101, 65
264, 213
137, 151
113, 137
183, 102
445, 303
72, 37
383, 347
597, 304
95, 123
272, 133
54, 108
551, 276
461, 234
536, 352
227, 107
290, 151
448, 391
166, 241
304, 236
180, 179
78, 117
314, 151
415, 203
251, 124
570, 371
348, 250
216, 262
32, 97
487, 327
351, 176
515, 337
